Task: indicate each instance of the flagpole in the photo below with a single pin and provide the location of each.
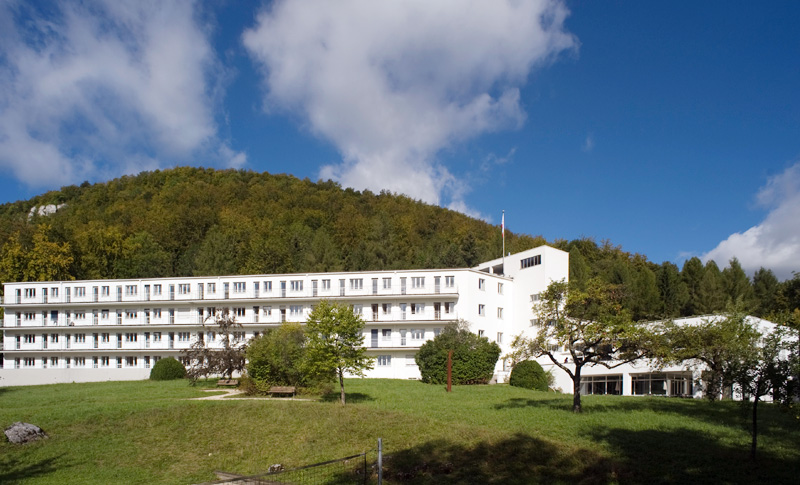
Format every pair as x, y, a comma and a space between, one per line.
503, 232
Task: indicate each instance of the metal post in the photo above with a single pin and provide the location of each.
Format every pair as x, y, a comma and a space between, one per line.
380, 461
449, 370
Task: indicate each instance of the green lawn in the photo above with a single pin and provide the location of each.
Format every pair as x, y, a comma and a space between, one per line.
148, 432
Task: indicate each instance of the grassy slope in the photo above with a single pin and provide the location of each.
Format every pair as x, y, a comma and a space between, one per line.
143, 432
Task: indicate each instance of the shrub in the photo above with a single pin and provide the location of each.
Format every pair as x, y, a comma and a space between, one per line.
530, 375
167, 369
474, 357
276, 358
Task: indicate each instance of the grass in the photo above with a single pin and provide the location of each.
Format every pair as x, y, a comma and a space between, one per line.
149, 432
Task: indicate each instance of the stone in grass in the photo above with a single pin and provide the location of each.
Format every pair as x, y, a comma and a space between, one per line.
21, 433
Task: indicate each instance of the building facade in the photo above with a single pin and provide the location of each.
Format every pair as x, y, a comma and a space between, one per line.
94, 330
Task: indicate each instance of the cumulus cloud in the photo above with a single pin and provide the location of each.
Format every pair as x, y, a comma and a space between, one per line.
775, 242
392, 83
98, 88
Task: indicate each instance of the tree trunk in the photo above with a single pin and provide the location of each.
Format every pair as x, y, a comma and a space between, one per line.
576, 390
755, 430
341, 384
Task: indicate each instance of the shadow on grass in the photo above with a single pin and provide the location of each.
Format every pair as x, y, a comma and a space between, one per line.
520, 459
350, 397
689, 456
15, 471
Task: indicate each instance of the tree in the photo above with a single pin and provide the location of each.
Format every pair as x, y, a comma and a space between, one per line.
277, 357
224, 359
672, 289
717, 342
737, 284
474, 357
335, 343
763, 370
692, 275
765, 290
591, 325
711, 292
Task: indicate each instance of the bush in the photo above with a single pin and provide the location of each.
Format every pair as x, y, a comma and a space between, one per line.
530, 375
474, 357
276, 358
167, 370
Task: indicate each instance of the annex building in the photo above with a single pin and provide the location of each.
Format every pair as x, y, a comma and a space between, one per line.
97, 330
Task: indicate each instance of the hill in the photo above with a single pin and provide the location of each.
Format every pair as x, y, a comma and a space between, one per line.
195, 221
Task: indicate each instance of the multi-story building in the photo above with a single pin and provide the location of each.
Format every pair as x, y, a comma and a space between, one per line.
65, 331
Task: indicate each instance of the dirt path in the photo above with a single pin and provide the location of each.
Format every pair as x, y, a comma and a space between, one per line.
230, 393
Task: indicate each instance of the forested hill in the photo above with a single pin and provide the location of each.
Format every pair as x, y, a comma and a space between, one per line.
194, 221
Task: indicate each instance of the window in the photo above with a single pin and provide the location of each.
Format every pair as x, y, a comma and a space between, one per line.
418, 282
499, 337
448, 307
54, 292
500, 313
482, 310
481, 284
239, 287
80, 291
296, 310
417, 308
30, 292
105, 338
131, 361
156, 289
387, 283
384, 360
29, 338
268, 286
387, 308
417, 333
449, 281
532, 261
211, 336
104, 290
500, 288
146, 362
356, 284
29, 362
104, 361
130, 290
358, 309
326, 284
53, 361
535, 297
80, 361
386, 333
130, 337
80, 315
131, 314
239, 312
480, 333
184, 288
211, 287
80, 338
156, 336
436, 332
184, 336
296, 285
238, 336
157, 313
54, 338
30, 316
104, 314
267, 311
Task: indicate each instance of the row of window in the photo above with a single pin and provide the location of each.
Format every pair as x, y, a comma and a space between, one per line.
78, 362
239, 287
482, 286
482, 311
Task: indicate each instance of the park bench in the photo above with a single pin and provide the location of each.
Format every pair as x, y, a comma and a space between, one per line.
283, 390
227, 383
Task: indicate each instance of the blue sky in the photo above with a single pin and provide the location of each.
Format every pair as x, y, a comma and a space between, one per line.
671, 129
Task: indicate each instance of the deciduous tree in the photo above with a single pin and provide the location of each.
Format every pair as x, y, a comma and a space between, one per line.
591, 325
335, 342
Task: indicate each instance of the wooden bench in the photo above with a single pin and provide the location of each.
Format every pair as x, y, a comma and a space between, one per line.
227, 383
283, 390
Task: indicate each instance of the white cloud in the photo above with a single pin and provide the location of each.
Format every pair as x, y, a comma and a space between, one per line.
100, 88
775, 242
588, 143
392, 83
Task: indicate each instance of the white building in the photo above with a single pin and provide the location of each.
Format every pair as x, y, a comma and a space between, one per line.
94, 330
